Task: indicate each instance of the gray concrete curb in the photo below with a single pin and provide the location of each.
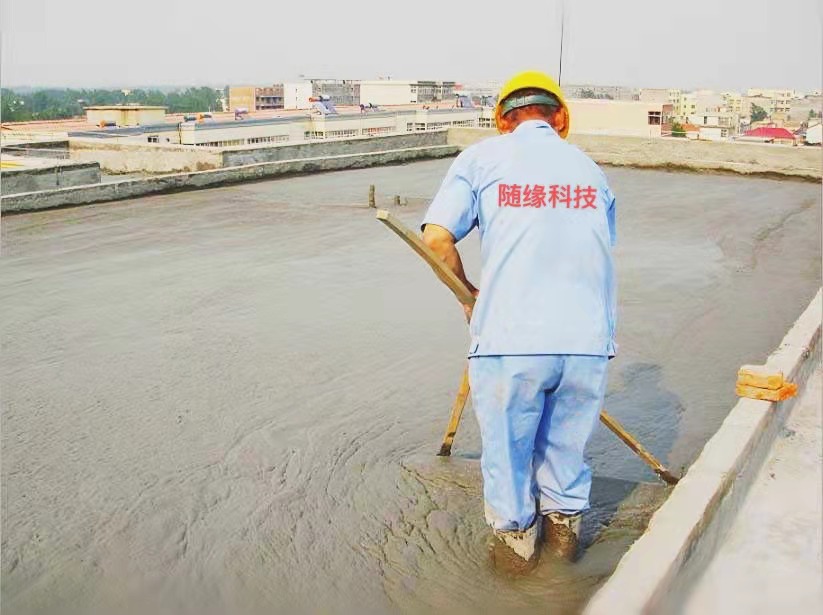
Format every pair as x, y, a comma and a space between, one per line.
60, 173
114, 191
656, 572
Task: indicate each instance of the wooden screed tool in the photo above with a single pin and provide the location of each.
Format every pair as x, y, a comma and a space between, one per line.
463, 295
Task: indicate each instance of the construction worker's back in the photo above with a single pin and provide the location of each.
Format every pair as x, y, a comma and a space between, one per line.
546, 218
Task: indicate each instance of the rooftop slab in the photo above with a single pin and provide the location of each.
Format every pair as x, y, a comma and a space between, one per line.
772, 558
219, 400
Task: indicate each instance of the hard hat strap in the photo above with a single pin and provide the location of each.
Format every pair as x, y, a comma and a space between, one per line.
515, 102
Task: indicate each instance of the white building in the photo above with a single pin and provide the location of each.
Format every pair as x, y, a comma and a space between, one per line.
295, 128
655, 95
814, 134
297, 95
398, 92
715, 125
617, 117
388, 92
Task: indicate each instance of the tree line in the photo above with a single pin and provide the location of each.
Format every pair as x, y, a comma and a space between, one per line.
55, 104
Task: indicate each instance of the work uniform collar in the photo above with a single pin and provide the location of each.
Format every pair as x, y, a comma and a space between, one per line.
535, 124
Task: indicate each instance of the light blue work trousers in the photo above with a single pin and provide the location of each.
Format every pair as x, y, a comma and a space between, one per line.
536, 413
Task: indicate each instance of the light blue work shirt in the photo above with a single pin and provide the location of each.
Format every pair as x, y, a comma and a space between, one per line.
547, 226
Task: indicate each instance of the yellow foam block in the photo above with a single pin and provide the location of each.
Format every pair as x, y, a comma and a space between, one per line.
760, 376
785, 392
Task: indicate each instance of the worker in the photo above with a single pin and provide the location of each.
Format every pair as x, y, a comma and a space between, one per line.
542, 328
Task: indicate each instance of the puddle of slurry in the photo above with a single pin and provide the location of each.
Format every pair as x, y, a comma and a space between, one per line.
229, 401
451, 563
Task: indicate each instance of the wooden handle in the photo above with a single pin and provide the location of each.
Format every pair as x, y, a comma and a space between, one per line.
617, 429
440, 269
457, 412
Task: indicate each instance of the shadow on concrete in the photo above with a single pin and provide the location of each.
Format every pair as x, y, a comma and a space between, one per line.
648, 411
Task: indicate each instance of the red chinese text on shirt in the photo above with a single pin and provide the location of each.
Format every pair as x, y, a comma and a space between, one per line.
536, 195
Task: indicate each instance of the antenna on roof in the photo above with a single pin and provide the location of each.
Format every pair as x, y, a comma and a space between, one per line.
562, 29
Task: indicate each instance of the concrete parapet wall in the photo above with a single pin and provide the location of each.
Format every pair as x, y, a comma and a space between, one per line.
125, 157
659, 569
315, 149
60, 175
683, 154
36, 149
82, 195
131, 157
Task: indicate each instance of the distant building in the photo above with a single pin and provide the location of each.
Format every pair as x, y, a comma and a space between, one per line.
388, 92
675, 100
125, 115
708, 100
435, 91
816, 100
685, 104
777, 103
715, 125
338, 91
297, 95
296, 128
803, 109
814, 134
770, 134
733, 102
618, 117
771, 93
269, 97
780, 107
663, 96
655, 95
242, 97
398, 92
256, 98
688, 105
608, 92
273, 130
749, 102
480, 89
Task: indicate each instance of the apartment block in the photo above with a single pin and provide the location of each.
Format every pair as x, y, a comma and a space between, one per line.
340, 91
400, 92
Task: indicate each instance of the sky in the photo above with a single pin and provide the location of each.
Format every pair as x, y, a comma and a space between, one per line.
714, 44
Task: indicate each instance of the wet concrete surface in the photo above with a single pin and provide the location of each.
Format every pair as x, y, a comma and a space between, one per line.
228, 401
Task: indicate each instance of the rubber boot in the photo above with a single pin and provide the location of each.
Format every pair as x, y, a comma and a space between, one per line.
515, 552
561, 534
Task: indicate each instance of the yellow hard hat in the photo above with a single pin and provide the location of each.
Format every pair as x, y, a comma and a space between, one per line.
536, 80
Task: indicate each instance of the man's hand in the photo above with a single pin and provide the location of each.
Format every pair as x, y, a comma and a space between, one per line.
468, 309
